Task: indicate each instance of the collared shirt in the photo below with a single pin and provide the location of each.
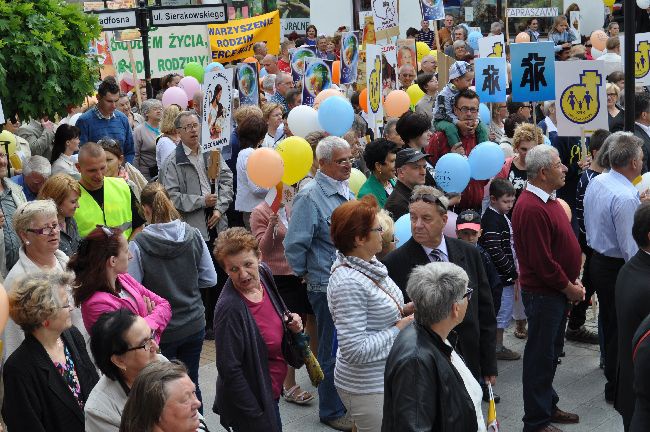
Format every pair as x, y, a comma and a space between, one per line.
279, 99
542, 194
20, 181
101, 116
609, 206
442, 248
199, 165
645, 128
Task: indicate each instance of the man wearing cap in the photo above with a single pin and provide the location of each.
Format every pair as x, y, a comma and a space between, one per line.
477, 333
411, 171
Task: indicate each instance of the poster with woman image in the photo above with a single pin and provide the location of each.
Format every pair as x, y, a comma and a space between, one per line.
349, 57
298, 57
217, 109
406, 53
318, 77
247, 84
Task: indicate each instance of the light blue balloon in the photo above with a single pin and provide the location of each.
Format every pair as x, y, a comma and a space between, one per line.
336, 115
402, 229
547, 141
484, 114
486, 160
472, 39
452, 173
213, 65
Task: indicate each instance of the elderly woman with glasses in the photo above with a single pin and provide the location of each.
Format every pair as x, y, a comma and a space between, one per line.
367, 308
47, 380
423, 371
144, 138
103, 283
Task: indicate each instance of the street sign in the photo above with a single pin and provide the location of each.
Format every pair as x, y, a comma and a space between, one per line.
185, 15
116, 19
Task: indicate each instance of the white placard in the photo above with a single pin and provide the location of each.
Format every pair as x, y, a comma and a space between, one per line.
575, 23
374, 87
386, 18
217, 109
492, 46
532, 12
116, 19
186, 15
642, 59
289, 25
469, 13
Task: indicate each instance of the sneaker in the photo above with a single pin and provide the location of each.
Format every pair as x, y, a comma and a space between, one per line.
341, 424
583, 335
507, 354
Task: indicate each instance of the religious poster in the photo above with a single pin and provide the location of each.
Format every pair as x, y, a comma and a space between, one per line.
388, 69
641, 59
248, 84
217, 110
581, 99
406, 53
317, 77
361, 71
385, 18
374, 87
491, 76
298, 57
368, 31
349, 57
574, 26
533, 73
432, 10
492, 46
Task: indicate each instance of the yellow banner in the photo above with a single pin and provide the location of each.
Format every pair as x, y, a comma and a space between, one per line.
235, 40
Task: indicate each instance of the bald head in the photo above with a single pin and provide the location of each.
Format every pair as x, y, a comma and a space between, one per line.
428, 64
270, 63
90, 150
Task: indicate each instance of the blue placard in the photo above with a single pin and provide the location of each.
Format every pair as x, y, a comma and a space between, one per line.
490, 75
533, 71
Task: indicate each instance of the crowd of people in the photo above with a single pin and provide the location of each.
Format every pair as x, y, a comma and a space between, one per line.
125, 247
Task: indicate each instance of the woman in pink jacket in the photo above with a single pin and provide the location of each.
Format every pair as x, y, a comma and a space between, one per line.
103, 284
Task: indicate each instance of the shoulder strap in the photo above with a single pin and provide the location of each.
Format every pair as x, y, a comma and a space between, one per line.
269, 276
392, 297
636, 347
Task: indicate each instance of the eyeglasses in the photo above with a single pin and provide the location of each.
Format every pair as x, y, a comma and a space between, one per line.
345, 161
379, 229
190, 127
67, 306
45, 231
612, 94
527, 106
147, 345
466, 110
427, 198
468, 293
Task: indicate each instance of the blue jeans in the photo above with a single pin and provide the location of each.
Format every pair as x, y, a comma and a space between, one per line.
546, 322
188, 351
330, 406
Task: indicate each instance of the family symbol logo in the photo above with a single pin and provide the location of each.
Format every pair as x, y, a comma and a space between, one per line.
580, 103
374, 85
497, 50
642, 59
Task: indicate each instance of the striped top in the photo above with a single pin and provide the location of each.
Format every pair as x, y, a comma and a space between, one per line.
364, 317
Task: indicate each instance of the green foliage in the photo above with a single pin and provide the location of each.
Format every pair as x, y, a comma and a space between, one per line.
44, 61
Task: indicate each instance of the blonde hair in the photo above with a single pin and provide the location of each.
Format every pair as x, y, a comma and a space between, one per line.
268, 108
58, 187
34, 298
155, 196
167, 122
26, 212
246, 111
527, 132
612, 86
388, 228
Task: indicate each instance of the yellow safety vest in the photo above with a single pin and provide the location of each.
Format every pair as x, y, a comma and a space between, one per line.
116, 211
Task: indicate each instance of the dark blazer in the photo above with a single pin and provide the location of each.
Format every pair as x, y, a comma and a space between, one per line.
641, 342
397, 203
639, 132
632, 306
37, 399
477, 332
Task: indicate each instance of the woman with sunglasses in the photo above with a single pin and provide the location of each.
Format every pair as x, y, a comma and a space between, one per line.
367, 308
37, 226
47, 380
103, 283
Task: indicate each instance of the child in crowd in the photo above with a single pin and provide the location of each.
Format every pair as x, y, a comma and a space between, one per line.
461, 76
498, 243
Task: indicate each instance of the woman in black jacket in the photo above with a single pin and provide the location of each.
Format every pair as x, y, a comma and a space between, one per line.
49, 377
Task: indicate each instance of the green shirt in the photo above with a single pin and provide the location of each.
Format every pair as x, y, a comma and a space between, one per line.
373, 186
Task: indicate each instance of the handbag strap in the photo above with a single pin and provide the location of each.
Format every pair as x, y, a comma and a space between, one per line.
636, 347
283, 306
392, 297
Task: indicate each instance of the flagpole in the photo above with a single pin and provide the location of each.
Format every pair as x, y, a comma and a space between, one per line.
506, 19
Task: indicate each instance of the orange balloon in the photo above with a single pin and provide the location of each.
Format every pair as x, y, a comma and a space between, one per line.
265, 167
336, 72
363, 100
522, 37
325, 94
4, 308
397, 102
598, 39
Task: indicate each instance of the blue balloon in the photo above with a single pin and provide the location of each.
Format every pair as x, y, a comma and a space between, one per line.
484, 114
213, 65
452, 173
486, 160
547, 141
336, 115
472, 39
402, 229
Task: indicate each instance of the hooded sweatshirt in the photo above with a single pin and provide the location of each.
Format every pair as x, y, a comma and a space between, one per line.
172, 260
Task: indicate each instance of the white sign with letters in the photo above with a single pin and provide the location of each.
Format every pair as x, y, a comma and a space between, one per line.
116, 19
184, 15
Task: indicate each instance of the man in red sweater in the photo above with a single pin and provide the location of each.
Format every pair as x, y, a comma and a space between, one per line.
549, 265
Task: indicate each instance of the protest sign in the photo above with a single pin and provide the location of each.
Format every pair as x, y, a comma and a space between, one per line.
581, 100
235, 39
217, 110
369, 36
492, 46
318, 77
248, 84
532, 12
374, 87
432, 10
574, 26
533, 74
641, 59
349, 57
385, 18
491, 76
361, 71
298, 57
388, 72
406, 53
170, 49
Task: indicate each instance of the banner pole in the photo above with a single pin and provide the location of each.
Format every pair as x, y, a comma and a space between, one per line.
506, 20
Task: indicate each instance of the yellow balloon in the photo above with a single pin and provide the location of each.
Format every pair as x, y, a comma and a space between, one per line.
423, 49
357, 179
609, 3
297, 156
434, 53
7, 137
415, 93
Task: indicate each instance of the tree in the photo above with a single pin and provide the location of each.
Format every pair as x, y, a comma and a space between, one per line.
44, 62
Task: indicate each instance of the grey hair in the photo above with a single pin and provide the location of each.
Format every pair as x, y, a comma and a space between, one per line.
434, 288
26, 212
198, 97
285, 44
421, 190
181, 116
280, 76
148, 105
359, 125
624, 148
602, 158
390, 126
257, 46
540, 156
268, 83
459, 43
496, 25
546, 108
462, 28
406, 66
326, 146
39, 165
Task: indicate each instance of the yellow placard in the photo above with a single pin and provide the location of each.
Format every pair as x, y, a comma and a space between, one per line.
235, 40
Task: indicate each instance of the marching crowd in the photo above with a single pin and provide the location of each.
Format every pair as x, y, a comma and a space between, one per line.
125, 247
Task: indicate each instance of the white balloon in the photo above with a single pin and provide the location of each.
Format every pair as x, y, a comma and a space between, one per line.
644, 184
303, 120
643, 4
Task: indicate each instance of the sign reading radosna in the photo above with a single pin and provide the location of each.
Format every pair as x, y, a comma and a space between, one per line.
184, 15
532, 12
116, 19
